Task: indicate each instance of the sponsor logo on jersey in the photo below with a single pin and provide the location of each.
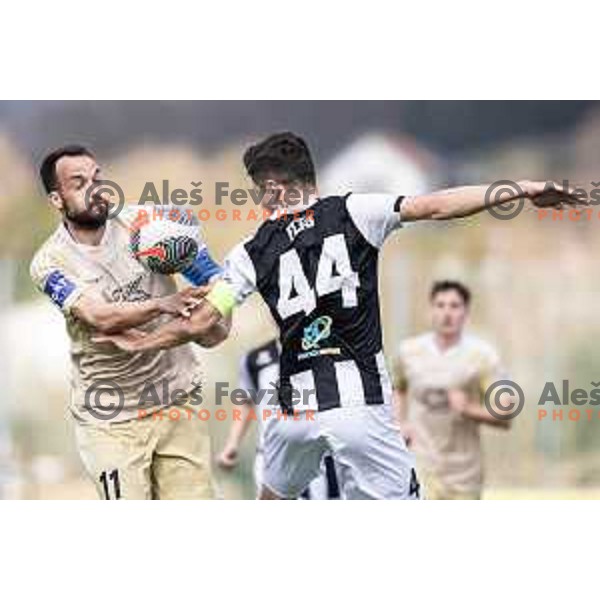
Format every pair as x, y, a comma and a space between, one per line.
435, 399
131, 292
316, 332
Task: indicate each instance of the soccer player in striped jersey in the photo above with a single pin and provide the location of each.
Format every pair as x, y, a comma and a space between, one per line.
440, 381
315, 265
259, 372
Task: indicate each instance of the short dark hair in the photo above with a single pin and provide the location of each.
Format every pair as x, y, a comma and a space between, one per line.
446, 285
48, 166
284, 157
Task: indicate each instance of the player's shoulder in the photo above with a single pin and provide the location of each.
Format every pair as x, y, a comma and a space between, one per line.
366, 202
266, 242
272, 235
351, 203
375, 215
333, 201
238, 260
365, 198
480, 347
52, 253
240, 250
418, 344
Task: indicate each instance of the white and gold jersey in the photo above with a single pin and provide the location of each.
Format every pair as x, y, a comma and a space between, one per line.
447, 445
64, 270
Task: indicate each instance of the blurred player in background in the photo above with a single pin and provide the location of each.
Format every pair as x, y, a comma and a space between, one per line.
440, 381
87, 270
259, 373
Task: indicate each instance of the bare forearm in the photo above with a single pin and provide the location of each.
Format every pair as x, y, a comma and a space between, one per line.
117, 316
180, 330
478, 413
215, 335
458, 202
239, 427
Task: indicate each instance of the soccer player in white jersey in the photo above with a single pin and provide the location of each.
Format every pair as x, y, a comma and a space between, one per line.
259, 373
441, 378
315, 265
88, 271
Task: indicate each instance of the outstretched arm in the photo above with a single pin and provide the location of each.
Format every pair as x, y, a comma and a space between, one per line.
464, 201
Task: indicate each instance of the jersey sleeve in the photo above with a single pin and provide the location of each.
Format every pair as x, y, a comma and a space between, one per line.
51, 276
203, 269
400, 379
375, 215
239, 273
491, 369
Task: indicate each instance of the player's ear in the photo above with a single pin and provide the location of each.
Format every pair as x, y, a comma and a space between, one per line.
55, 200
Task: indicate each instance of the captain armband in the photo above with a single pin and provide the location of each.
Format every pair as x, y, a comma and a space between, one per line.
222, 297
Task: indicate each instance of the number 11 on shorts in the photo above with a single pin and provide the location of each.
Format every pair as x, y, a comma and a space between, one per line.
106, 479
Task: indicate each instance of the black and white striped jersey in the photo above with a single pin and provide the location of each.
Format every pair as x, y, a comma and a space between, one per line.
317, 271
259, 369
259, 377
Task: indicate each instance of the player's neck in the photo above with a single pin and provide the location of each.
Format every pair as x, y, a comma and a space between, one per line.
86, 236
444, 342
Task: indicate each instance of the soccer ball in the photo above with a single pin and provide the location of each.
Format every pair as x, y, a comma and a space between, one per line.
167, 240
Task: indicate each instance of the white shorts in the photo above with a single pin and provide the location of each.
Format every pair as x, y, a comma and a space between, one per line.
320, 488
371, 458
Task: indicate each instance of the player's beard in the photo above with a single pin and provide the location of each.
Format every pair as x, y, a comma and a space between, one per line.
93, 217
